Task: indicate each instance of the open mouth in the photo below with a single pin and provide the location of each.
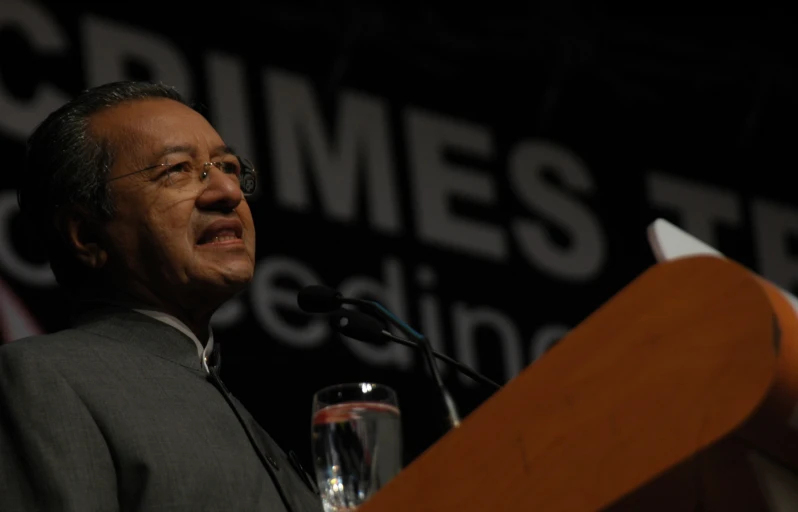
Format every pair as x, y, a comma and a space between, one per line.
221, 231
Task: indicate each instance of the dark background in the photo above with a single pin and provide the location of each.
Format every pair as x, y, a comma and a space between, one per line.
706, 98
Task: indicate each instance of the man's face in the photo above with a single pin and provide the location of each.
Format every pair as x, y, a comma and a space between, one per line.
183, 244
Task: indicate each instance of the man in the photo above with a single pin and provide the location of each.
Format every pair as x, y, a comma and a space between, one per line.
143, 210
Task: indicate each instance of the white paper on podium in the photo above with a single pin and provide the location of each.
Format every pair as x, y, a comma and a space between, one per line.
669, 242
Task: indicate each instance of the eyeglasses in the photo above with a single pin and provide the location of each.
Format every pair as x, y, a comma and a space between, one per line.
190, 176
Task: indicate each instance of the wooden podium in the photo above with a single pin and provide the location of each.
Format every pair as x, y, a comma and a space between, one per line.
635, 409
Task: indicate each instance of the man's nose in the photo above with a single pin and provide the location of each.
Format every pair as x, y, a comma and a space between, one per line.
222, 191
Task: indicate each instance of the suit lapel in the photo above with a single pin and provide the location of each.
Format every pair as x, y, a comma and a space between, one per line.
144, 332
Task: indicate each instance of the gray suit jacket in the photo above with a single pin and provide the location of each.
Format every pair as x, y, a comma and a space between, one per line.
117, 414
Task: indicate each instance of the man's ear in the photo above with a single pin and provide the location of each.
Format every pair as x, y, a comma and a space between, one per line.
82, 236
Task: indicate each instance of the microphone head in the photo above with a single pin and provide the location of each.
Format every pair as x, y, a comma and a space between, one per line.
317, 298
357, 325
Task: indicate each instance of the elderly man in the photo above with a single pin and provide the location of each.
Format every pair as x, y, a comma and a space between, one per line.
143, 210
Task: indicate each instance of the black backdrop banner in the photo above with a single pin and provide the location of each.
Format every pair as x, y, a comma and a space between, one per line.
489, 182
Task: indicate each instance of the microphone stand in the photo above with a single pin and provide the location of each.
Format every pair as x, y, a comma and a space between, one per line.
477, 377
426, 350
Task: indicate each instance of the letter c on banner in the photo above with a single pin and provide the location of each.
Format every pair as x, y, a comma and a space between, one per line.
18, 117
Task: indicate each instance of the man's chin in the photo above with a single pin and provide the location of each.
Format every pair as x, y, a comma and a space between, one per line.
226, 282
236, 281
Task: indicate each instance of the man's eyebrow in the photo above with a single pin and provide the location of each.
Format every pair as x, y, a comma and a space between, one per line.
223, 150
181, 148
192, 150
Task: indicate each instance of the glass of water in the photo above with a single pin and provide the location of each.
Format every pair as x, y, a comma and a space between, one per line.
357, 442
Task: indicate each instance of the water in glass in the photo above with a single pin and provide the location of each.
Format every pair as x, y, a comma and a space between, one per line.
357, 450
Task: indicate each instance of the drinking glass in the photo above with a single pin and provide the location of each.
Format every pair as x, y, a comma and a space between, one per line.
356, 441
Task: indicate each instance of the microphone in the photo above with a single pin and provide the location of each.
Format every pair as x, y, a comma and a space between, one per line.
365, 328
318, 298
321, 299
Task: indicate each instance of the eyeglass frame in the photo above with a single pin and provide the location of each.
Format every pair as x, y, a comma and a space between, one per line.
247, 180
